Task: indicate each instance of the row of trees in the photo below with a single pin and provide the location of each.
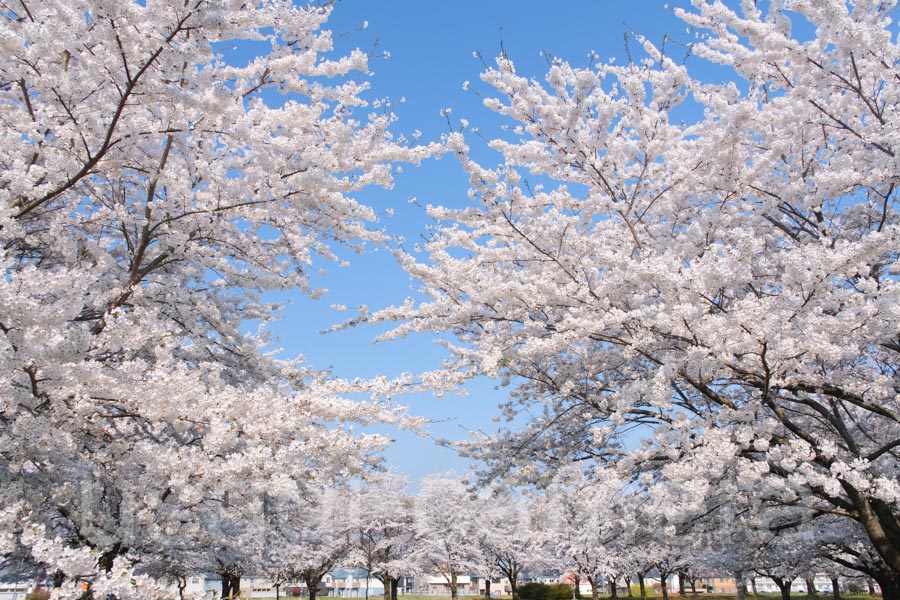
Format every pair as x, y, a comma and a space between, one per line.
597, 529
603, 530
689, 289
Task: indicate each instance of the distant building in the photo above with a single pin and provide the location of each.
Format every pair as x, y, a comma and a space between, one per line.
584, 584
798, 586
352, 584
721, 585
15, 590
437, 584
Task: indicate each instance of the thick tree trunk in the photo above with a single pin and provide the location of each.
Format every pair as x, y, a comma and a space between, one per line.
395, 583
880, 523
628, 585
231, 585
811, 586
514, 587
613, 592
890, 586
487, 587
454, 592
663, 584
741, 586
642, 586
784, 585
312, 580
682, 588
835, 588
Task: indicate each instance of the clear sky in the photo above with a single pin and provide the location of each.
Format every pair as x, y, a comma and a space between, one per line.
431, 45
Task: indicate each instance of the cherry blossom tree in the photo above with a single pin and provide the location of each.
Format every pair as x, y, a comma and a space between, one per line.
582, 526
307, 541
445, 531
784, 558
712, 267
386, 531
505, 541
166, 165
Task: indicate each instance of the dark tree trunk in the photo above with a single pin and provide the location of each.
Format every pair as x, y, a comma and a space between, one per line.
879, 520
595, 592
613, 592
835, 588
663, 584
642, 586
784, 585
231, 585
454, 588
395, 583
628, 585
312, 579
510, 570
753, 586
682, 588
889, 584
487, 587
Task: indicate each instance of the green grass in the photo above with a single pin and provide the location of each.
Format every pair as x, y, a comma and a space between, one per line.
672, 596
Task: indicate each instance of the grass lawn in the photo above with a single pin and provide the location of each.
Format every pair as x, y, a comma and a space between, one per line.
672, 596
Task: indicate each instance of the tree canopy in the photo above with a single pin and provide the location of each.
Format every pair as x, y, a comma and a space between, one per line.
688, 289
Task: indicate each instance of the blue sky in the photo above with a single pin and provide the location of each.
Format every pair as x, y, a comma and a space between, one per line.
431, 46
